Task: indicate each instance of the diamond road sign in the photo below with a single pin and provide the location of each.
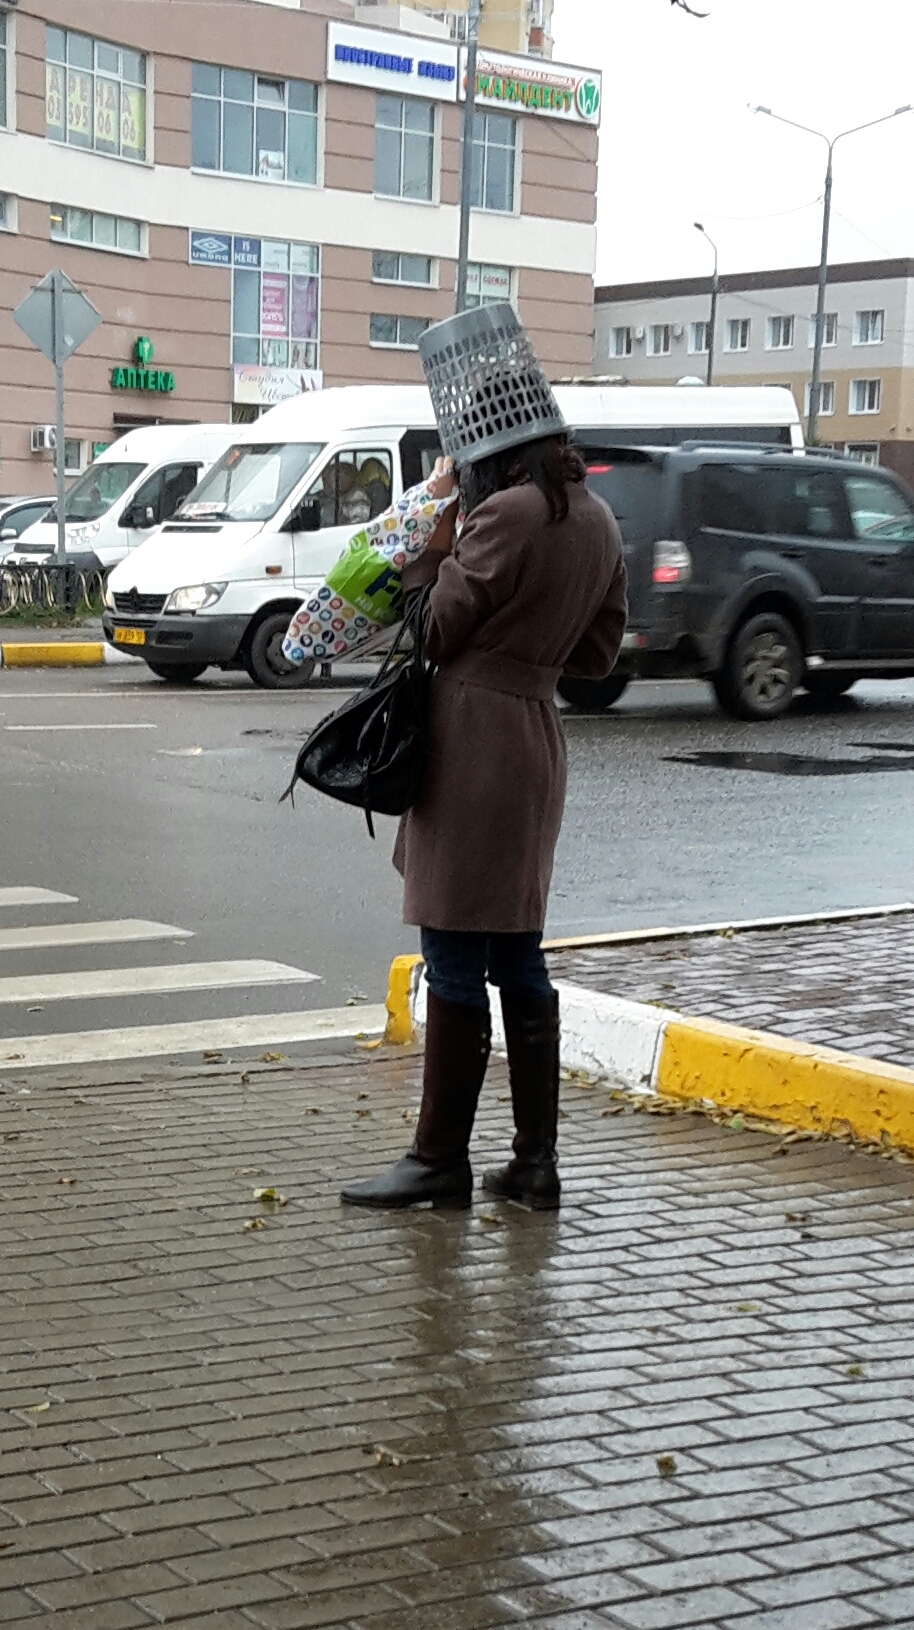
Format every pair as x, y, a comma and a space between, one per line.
35, 316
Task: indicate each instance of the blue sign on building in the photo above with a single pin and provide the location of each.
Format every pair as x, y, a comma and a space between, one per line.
210, 249
246, 251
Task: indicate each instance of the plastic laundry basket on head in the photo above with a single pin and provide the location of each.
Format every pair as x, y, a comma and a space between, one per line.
487, 387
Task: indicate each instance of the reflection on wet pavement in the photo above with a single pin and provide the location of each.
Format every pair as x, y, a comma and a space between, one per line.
797, 764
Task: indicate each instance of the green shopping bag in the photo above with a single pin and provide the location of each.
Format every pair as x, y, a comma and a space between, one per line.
367, 581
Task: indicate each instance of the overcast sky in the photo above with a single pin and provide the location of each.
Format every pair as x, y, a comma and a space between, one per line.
679, 144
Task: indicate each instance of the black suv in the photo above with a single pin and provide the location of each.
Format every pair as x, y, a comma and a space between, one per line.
759, 571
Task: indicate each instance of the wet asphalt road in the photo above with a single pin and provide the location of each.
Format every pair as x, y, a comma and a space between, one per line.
178, 821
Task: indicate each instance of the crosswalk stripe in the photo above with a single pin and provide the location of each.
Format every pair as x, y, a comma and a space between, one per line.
146, 1041
120, 932
35, 897
82, 726
58, 987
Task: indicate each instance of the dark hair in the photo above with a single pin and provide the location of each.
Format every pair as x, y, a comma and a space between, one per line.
551, 464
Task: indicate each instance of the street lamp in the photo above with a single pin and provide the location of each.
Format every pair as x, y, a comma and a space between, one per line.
466, 156
715, 290
815, 387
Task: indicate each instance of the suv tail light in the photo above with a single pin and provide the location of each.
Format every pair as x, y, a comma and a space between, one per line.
672, 563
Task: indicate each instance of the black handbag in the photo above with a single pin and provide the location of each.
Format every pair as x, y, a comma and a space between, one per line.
372, 751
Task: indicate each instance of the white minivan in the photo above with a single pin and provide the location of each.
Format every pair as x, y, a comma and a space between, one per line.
130, 489
218, 583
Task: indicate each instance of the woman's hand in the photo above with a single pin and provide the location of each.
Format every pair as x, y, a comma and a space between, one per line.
444, 478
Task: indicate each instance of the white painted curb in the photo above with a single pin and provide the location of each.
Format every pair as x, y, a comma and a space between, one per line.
602, 1035
111, 654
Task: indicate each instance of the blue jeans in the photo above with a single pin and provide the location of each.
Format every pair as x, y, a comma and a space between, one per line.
458, 965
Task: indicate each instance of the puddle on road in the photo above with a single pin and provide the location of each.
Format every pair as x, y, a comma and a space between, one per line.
798, 765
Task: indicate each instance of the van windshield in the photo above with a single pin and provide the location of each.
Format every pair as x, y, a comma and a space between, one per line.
250, 482
95, 491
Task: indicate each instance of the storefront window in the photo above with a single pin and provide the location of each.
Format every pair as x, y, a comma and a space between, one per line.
494, 155
275, 303
95, 94
248, 124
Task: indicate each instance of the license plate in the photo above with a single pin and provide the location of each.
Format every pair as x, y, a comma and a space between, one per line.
130, 636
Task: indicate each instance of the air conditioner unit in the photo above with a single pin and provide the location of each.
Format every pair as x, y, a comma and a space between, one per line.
639, 334
44, 438
678, 331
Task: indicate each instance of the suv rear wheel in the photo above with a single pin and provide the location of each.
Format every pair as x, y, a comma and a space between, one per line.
762, 668
264, 659
593, 695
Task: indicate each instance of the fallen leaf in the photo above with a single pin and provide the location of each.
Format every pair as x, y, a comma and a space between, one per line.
491, 1220
272, 1058
390, 1457
666, 1465
351, 1001
10, 1056
67, 1182
37, 1409
34, 1010
796, 1216
213, 1054
855, 1369
245, 1078
363, 1095
313, 1109
254, 1222
747, 1307
371, 1046
264, 1194
614, 1109
737, 1124
362, 1113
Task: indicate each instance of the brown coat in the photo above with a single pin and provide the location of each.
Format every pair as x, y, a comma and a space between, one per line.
519, 602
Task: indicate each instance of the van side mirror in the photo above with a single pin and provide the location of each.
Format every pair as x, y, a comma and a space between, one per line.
138, 515
8, 534
305, 517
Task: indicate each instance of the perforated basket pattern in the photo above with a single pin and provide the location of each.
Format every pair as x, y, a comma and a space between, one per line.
487, 387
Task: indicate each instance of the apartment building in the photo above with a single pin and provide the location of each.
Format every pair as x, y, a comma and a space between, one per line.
270, 205
505, 25
657, 333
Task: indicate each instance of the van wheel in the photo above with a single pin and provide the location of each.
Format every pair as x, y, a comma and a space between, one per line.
762, 669
593, 695
264, 659
177, 673
828, 687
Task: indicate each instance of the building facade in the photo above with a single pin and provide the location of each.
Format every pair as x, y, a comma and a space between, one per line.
269, 205
657, 333
504, 25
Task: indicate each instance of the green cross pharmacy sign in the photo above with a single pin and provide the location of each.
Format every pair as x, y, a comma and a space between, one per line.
139, 376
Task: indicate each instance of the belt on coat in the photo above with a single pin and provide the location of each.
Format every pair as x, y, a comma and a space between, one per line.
511, 676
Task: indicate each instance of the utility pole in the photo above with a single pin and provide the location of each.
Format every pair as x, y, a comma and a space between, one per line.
466, 155
715, 291
815, 383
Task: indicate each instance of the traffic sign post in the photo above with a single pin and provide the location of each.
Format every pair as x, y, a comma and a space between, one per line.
57, 318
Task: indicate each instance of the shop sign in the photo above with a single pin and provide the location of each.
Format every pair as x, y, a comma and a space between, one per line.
402, 63
210, 249
264, 387
489, 283
246, 252
139, 376
536, 85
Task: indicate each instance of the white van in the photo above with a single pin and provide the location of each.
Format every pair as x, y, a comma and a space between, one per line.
132, 487
219, 582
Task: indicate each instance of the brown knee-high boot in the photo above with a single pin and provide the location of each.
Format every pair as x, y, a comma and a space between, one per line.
532, 1038
436, 1171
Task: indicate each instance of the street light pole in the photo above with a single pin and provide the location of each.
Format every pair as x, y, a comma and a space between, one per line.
715, 290
815, 384
466, 155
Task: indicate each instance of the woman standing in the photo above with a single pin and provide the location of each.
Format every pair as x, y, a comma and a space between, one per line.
534, 588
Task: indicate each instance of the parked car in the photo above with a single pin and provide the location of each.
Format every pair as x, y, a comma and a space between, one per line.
15, 515
759, 571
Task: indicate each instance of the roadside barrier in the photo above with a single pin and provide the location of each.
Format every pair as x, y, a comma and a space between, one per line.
46, 586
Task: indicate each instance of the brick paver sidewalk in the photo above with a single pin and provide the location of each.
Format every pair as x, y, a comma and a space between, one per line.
848, 985
685, 1400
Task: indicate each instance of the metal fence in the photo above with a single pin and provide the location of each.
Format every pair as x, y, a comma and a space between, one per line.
49, 587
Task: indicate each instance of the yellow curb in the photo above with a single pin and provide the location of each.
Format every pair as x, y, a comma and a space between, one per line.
59, 654
815, 1088
400, 1029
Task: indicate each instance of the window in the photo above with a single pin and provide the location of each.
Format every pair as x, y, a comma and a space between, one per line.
866, 396
249, 124
758, 500
354, 487
3, 67
699, 338
620, 342
250, 482
163, 492
494, 159
404, 148
878, 509
826, 397
737, 334
865, 452
869, 327
413, 269
402, 332
99, 231
276, 304
780, 333
95, 94
7, 213
830, 336
660, 340
486, 285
